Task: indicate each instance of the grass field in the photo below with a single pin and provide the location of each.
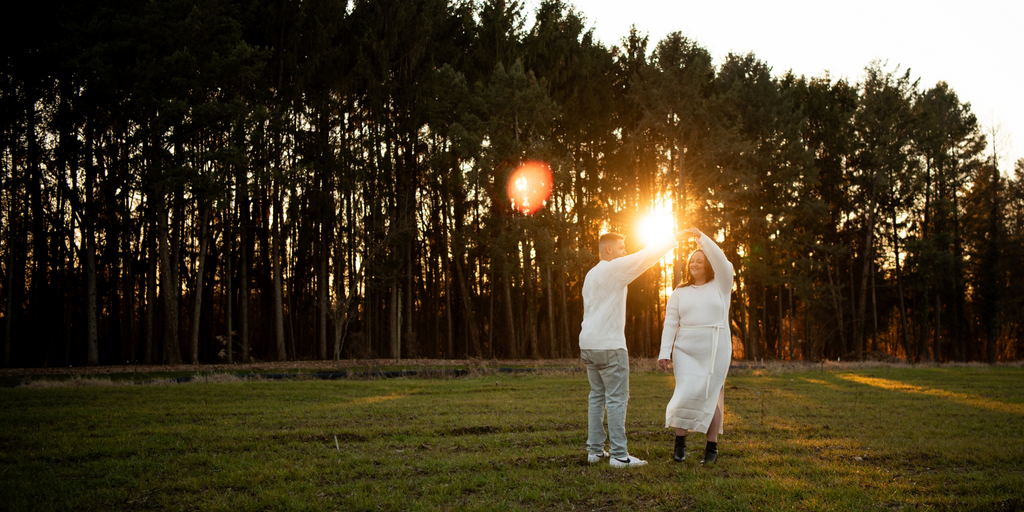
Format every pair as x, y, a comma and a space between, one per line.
820, 438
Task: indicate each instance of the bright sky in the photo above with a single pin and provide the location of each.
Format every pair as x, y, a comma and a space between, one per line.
975, 46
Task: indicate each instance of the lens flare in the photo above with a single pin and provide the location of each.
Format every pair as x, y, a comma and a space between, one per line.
656, 228
529, 187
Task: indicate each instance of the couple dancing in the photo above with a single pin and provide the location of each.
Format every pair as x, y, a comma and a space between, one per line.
696, 343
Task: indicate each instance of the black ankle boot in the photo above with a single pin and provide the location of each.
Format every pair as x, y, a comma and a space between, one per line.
710, 453
680, 452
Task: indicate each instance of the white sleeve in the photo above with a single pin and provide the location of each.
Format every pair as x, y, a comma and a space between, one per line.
668, 332
724, 272
628, 268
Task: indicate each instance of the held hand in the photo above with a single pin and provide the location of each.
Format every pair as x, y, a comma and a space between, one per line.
688, 233
665, 364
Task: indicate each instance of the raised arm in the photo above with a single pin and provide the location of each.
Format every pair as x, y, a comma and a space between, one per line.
724, 272
628, 268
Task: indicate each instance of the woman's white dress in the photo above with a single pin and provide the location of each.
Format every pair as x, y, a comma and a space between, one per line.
697, 339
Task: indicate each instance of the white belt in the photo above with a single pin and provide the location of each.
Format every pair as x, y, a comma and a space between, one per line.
715, 329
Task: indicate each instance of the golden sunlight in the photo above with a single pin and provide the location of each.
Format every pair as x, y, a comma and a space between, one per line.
659, 225
376, 399
656, 227
961, 398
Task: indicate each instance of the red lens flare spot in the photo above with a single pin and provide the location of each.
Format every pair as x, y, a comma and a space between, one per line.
529, 187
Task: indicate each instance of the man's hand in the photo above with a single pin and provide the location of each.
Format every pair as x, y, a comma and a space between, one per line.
665, 364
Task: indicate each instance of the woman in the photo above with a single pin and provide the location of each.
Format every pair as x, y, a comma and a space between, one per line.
697, 343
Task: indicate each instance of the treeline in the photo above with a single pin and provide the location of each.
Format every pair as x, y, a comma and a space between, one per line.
325, 180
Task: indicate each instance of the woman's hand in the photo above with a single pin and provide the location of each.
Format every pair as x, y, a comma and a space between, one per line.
665, 364
692, 232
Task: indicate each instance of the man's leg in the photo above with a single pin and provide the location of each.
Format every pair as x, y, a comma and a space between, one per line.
595, 359
616, 380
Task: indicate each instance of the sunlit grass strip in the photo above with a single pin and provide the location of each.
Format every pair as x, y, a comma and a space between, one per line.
962, 398
377, 399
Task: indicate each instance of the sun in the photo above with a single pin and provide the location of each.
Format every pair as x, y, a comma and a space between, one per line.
659, 226
656, 227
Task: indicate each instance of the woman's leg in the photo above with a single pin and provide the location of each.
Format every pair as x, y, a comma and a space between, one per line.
679, 448
716, 425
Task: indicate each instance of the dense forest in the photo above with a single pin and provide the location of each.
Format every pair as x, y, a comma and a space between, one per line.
208, 181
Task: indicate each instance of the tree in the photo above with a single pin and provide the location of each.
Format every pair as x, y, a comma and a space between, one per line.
884, 173
949, 142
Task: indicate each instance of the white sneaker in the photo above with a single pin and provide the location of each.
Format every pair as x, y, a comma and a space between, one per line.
591, 458
629, 461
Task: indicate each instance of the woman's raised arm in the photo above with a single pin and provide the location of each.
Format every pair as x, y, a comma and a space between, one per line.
724, 272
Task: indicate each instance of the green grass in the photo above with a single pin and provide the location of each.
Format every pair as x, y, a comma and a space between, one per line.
886, 438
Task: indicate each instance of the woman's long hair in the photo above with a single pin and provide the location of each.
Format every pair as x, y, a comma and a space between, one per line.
687, 278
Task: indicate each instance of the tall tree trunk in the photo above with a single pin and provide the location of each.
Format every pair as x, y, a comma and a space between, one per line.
409, 336
552, 339
490, 315
242, 221
197, 292
176, 239
899, 287
128, 293
172, 353
467, 308
243, 279
341, 300
992, 274
288, 265
743, 314
936, 352
922, 302
276, 257
149, 328
510, 316
448, 312
91, 312
903, 314
530, 307
778, 302
395, 322
869, 254
39, 285
9, 299
749, 344
89, 227
874, 313
764, 319
229, 292
836, 302
564, 303
321, 300
958, 316
792, 353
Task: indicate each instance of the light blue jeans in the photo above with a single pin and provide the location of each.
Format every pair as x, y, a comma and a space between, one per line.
608, 372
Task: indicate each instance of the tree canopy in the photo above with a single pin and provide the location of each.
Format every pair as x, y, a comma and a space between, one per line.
213, 181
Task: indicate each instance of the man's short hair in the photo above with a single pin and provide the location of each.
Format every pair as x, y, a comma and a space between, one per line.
608, 238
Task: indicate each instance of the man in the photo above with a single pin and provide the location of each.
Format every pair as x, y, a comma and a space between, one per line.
603, 342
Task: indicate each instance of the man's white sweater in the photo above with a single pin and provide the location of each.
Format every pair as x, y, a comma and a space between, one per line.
604, 296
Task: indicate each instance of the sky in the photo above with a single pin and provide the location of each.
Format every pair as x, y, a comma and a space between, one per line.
976, 47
